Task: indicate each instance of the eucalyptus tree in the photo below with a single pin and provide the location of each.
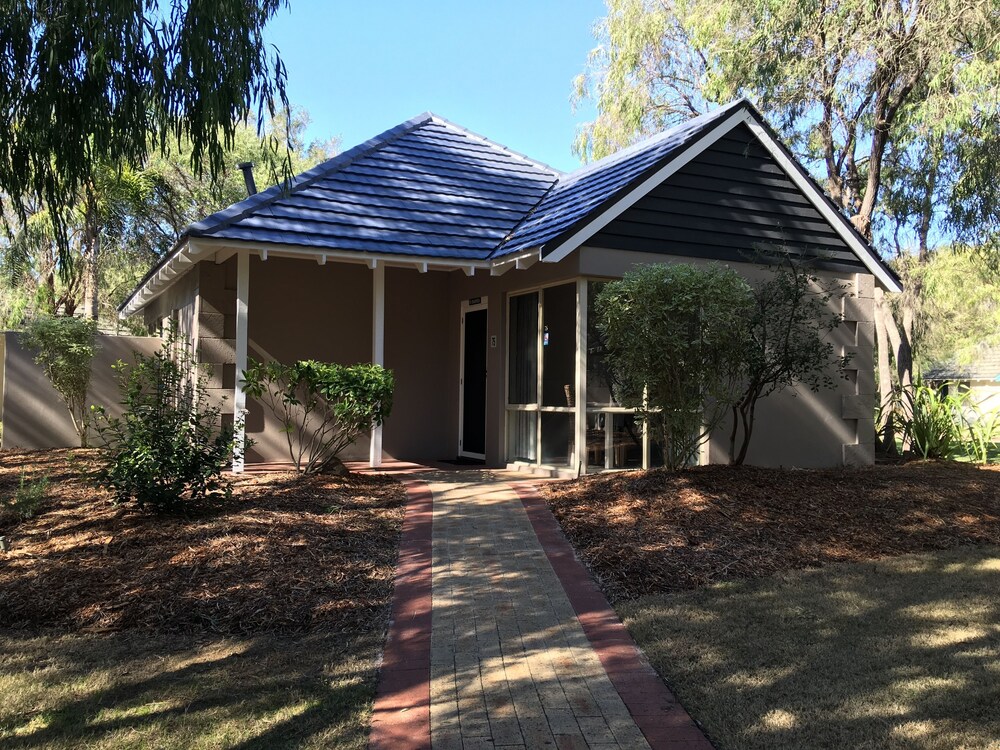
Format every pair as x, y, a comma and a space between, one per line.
86, 82
895, 106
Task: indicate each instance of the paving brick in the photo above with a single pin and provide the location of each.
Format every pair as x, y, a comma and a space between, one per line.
495, 637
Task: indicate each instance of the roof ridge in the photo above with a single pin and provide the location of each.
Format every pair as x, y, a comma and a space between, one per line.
243, 208
524, 219
494, 145
650, 140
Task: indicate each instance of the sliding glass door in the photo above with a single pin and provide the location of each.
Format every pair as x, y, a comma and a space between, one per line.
541, 375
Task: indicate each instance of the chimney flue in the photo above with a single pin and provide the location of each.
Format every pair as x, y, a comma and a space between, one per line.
247, 168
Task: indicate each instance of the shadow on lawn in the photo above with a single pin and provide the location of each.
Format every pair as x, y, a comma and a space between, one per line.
901, 653
146, 690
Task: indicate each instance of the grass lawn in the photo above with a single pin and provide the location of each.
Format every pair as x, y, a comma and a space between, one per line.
808, 609
901, 653
251, 623
150, 690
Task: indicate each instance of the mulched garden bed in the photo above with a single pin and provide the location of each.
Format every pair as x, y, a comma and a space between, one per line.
284, 555
657, 532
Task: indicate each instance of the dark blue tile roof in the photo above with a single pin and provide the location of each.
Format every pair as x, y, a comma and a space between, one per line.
426, 188
429, 188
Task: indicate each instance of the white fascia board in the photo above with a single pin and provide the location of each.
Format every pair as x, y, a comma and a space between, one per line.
500, 266
807, 186
629, 199
833, 217
200, 247
183, 260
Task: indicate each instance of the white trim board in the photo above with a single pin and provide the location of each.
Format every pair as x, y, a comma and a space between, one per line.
628, 200
808, 188
834, 218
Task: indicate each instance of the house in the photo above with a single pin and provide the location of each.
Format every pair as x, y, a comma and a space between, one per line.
470, 271
981, 377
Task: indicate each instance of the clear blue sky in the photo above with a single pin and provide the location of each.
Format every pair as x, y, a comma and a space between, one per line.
502, 69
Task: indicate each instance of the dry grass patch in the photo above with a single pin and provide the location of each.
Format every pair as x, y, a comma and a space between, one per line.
657, 532
901, 653
142, 690
254, 622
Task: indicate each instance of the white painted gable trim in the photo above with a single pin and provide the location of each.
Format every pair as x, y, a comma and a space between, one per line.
807, 186
833, 217
629, 199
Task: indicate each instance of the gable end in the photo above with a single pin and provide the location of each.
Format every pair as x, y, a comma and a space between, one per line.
732, 202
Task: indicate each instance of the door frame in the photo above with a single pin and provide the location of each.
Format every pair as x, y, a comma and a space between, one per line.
468, 307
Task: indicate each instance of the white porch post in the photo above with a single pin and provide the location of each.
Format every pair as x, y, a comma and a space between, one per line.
239, 397
580, 402
378, 349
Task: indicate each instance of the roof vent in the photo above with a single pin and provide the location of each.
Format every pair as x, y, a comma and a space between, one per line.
247, 168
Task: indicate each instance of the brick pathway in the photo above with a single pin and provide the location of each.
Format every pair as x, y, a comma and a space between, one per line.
524, 651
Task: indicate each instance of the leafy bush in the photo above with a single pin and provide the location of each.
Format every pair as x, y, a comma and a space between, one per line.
323, 407
932, 420
982, 431
29, 496
64, 349
169, 444
673, 337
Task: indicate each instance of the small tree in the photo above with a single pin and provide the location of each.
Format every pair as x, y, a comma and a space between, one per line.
169, 445
64, 349
785, 343
323, 407
672, 334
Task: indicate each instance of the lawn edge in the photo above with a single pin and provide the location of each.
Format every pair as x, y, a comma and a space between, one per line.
401, 716
655, 709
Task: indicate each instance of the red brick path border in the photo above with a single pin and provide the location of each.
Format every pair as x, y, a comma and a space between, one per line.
402, 717
663, 721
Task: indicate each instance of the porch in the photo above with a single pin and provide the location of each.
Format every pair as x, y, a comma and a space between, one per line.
488, 362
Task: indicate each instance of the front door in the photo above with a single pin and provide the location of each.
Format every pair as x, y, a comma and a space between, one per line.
472, 381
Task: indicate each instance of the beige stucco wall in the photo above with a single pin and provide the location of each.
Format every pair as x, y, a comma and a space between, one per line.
299, 310
985, 394
34, 415
797, 427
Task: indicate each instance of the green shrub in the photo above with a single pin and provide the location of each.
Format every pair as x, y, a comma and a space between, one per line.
982, 428
323, 407
64, 348
29, 496
674, 345
169, 445
932, 420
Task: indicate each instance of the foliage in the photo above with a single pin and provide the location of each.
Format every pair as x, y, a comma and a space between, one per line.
853, 86
958, 310
169, 445
85, 83
785, 343
323, 407
29, 496
982, 430
932, 419
64, 280
64, 349
673, 340
126, 219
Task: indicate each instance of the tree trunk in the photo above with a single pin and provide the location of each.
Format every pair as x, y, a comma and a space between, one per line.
91, 253
885, 391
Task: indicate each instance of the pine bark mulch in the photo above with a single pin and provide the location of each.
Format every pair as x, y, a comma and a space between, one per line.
657, 532
284, 555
